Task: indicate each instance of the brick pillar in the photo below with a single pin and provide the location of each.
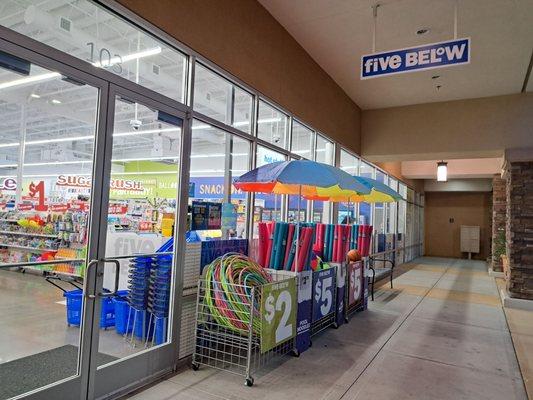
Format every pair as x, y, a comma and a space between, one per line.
519, 228
499, 216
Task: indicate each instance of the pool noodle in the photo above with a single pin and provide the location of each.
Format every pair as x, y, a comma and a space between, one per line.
262, 244
269, 227
310, 250
282, 245
274, 235
326, 242
292, 254
335, 241
290, 234
306, 242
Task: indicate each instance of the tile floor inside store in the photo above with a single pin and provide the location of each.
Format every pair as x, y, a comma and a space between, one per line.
33, 319
441, 333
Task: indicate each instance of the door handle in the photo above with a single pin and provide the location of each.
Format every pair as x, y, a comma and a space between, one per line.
117, 279
91, 264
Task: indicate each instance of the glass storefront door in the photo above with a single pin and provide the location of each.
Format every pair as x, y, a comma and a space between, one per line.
88, 190
139, 216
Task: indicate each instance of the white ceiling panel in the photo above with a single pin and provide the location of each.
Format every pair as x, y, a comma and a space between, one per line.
337, 32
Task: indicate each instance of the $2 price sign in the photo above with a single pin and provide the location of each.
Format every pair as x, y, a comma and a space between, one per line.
278, 313
323, 287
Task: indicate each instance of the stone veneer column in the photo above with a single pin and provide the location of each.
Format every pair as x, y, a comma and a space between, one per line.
499, 215
519, 228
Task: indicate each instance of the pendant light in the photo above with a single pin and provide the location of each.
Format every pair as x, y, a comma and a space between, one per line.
442, 171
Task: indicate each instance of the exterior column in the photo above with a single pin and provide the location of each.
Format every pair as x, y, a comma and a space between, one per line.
519, 228
499, 215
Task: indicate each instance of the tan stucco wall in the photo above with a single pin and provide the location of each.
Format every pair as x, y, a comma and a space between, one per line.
455, 129
442, 237
244, 39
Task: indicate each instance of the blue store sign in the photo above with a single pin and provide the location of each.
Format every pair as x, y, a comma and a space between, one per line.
436, 55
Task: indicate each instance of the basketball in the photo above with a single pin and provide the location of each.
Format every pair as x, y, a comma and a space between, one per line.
354, 255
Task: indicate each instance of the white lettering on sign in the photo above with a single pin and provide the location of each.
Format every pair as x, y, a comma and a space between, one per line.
436, 55
85, 182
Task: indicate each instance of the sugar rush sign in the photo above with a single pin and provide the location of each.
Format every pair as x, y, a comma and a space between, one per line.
435, 55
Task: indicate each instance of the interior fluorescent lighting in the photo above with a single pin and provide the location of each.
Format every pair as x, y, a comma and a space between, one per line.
35, 96
201, 126
30, 79
145, 159
268, 120
38, 164
58, 140
207, 155
146, 132
145, 173
8, 165
129, 57
56, 101
442, 171
14, 144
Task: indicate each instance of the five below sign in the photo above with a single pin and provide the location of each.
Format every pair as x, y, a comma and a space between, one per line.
436, 55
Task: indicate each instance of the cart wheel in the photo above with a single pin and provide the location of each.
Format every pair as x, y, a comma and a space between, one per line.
23, 271
295, 353
346, 319
335, 325
249, 382
195, 366
310, 343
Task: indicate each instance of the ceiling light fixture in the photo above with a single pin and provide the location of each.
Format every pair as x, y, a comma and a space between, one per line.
30, 79
35, 96
442, 171
56, 101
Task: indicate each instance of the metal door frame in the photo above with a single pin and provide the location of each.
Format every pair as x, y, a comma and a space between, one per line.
129, 372
142, 367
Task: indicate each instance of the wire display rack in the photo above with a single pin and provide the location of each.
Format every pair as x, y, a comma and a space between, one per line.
240, 348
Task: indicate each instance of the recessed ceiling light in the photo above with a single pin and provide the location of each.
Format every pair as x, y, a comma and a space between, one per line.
35, 96
422, 31
56, 101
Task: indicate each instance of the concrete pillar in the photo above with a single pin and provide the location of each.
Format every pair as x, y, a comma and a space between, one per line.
519, 228
499, 214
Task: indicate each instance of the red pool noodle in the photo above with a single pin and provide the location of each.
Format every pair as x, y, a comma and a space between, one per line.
270, 231
340, 243
360, 239
303, 252
335, 238
263, 235
290, 235
369, 230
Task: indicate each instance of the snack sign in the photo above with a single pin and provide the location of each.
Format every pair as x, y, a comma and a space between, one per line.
435, 55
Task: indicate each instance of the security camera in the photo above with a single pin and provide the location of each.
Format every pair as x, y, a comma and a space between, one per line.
276, 138
135, 124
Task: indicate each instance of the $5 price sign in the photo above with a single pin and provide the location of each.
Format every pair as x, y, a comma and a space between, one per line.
278, 313
355, 285
323, 286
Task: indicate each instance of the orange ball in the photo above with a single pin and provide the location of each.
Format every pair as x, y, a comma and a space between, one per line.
354, 255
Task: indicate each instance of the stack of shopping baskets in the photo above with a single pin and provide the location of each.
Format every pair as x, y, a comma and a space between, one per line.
149, 280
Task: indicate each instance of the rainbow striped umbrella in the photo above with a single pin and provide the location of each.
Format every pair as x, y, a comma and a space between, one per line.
301, 177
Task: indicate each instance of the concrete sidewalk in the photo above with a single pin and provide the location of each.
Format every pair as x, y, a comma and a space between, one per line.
441, 333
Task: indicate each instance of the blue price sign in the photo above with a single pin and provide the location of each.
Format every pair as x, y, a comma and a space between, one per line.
435, 55
324, 288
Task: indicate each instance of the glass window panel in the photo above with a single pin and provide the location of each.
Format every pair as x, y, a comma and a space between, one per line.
393, 208
217, 158
93, 34
272, 125
242, 110
267, 206
212, 94
349, 164
365, 209
325, 151
379, 208
302, 140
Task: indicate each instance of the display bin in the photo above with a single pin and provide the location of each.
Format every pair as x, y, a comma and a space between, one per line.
356, 288
244, 341
324, 299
